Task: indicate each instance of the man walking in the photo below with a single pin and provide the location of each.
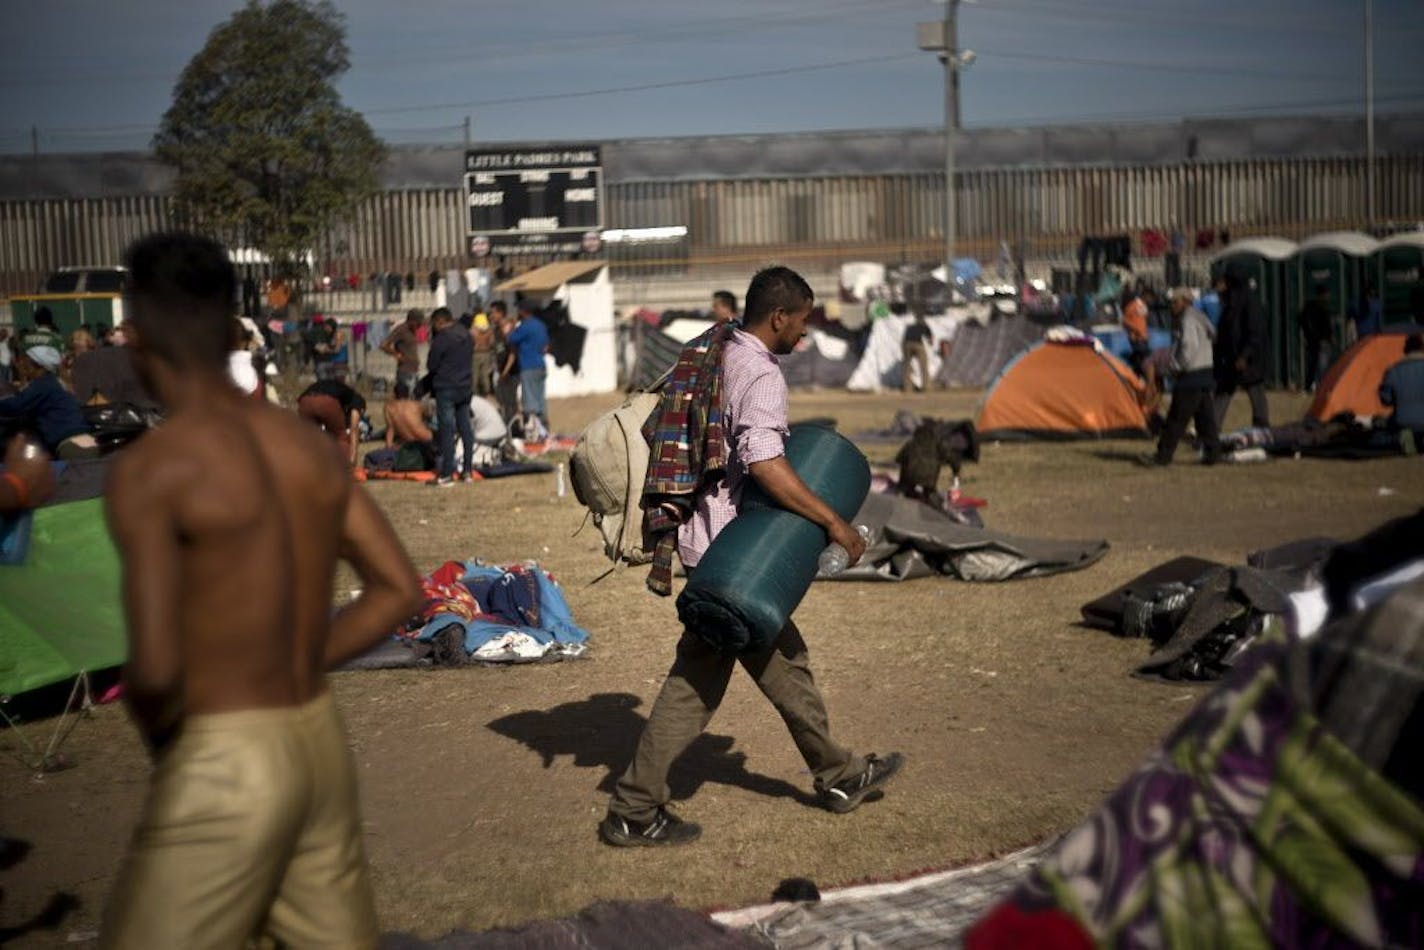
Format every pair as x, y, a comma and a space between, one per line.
1242, 347
753, 405
449, 362
403, 344
251, 827
1193, 382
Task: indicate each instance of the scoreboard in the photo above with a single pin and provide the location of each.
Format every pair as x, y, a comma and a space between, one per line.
534, 201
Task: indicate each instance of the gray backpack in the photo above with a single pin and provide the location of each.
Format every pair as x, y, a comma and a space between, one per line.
608, 466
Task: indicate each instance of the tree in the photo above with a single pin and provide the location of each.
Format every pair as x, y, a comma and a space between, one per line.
266, 154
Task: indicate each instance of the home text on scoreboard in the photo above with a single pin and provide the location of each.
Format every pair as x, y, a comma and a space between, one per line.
533, 201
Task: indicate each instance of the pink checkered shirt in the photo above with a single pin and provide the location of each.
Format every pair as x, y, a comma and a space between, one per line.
754, 420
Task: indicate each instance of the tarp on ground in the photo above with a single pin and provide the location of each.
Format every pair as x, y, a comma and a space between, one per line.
909, 539
1351, 384
1063, 389
930, 910
60, 611
979, 352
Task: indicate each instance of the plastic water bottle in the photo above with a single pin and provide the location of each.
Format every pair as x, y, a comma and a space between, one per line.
835, 558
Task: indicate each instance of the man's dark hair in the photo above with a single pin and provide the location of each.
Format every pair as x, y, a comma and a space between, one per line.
775, 288
441, 313
728, 298
1414, 343
414, 314
188, 288
402, 390
499, 307
466, 320
44, 317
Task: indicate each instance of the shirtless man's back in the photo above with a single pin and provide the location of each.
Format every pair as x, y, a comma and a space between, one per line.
230, 519
405, 419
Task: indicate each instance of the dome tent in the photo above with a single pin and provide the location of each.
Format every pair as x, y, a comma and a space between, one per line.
1351, 384
1063, 388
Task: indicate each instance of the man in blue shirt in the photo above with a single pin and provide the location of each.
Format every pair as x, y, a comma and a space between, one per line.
527, 346
45, 406
1403, 388
451, 354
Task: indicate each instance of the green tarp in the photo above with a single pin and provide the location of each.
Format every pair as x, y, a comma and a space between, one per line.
60, 612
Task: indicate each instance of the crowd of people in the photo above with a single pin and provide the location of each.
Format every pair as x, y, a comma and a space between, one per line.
1213, 355
483, 378
232, 495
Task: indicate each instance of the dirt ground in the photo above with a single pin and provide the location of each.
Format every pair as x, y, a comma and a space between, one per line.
482, 787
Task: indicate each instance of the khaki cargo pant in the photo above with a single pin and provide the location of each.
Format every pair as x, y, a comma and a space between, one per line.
691, 694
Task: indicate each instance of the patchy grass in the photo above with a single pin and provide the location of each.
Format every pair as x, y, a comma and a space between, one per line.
481, 787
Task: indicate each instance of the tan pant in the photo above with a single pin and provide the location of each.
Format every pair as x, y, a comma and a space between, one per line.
251, 827
915, 351
691, 694
482, 367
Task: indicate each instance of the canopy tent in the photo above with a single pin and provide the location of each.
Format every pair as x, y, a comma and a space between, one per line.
60, 611
585, 291
1352, 382
1063, 389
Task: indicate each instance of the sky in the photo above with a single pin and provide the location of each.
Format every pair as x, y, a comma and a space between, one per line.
97, 75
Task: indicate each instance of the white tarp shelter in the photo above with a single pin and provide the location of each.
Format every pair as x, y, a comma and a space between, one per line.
881, 364
585, 289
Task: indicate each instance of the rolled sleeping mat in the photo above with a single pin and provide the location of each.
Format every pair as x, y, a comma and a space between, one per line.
759, 567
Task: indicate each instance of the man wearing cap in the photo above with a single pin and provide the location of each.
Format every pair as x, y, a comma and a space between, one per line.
45, 406
1193, 383
482, 362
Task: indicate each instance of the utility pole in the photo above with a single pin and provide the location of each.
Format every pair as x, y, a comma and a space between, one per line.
467, 131
951, 128
1369, 114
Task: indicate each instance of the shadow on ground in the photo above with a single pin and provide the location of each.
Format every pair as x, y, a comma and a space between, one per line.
602, 732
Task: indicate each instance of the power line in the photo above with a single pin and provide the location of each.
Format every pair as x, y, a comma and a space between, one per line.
1157, 66
1080, 11
1263, 109
497, 48
643, 87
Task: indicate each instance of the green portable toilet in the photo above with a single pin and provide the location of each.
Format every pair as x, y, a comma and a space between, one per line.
1264, 260
1339, 260
1397, 267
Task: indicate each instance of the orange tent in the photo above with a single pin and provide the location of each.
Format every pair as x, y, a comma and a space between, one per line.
1352, 382
1063, 390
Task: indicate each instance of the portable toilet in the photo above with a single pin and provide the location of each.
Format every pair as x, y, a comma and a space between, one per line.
1338, 260
1264, 261
1397, 268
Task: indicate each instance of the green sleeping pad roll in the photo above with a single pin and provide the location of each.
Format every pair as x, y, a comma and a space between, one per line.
758, 568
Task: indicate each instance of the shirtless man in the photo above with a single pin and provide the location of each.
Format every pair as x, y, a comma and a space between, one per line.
405, 425
229, 519
405, 419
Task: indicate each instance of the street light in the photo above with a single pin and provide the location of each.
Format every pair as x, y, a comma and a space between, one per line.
942, 37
